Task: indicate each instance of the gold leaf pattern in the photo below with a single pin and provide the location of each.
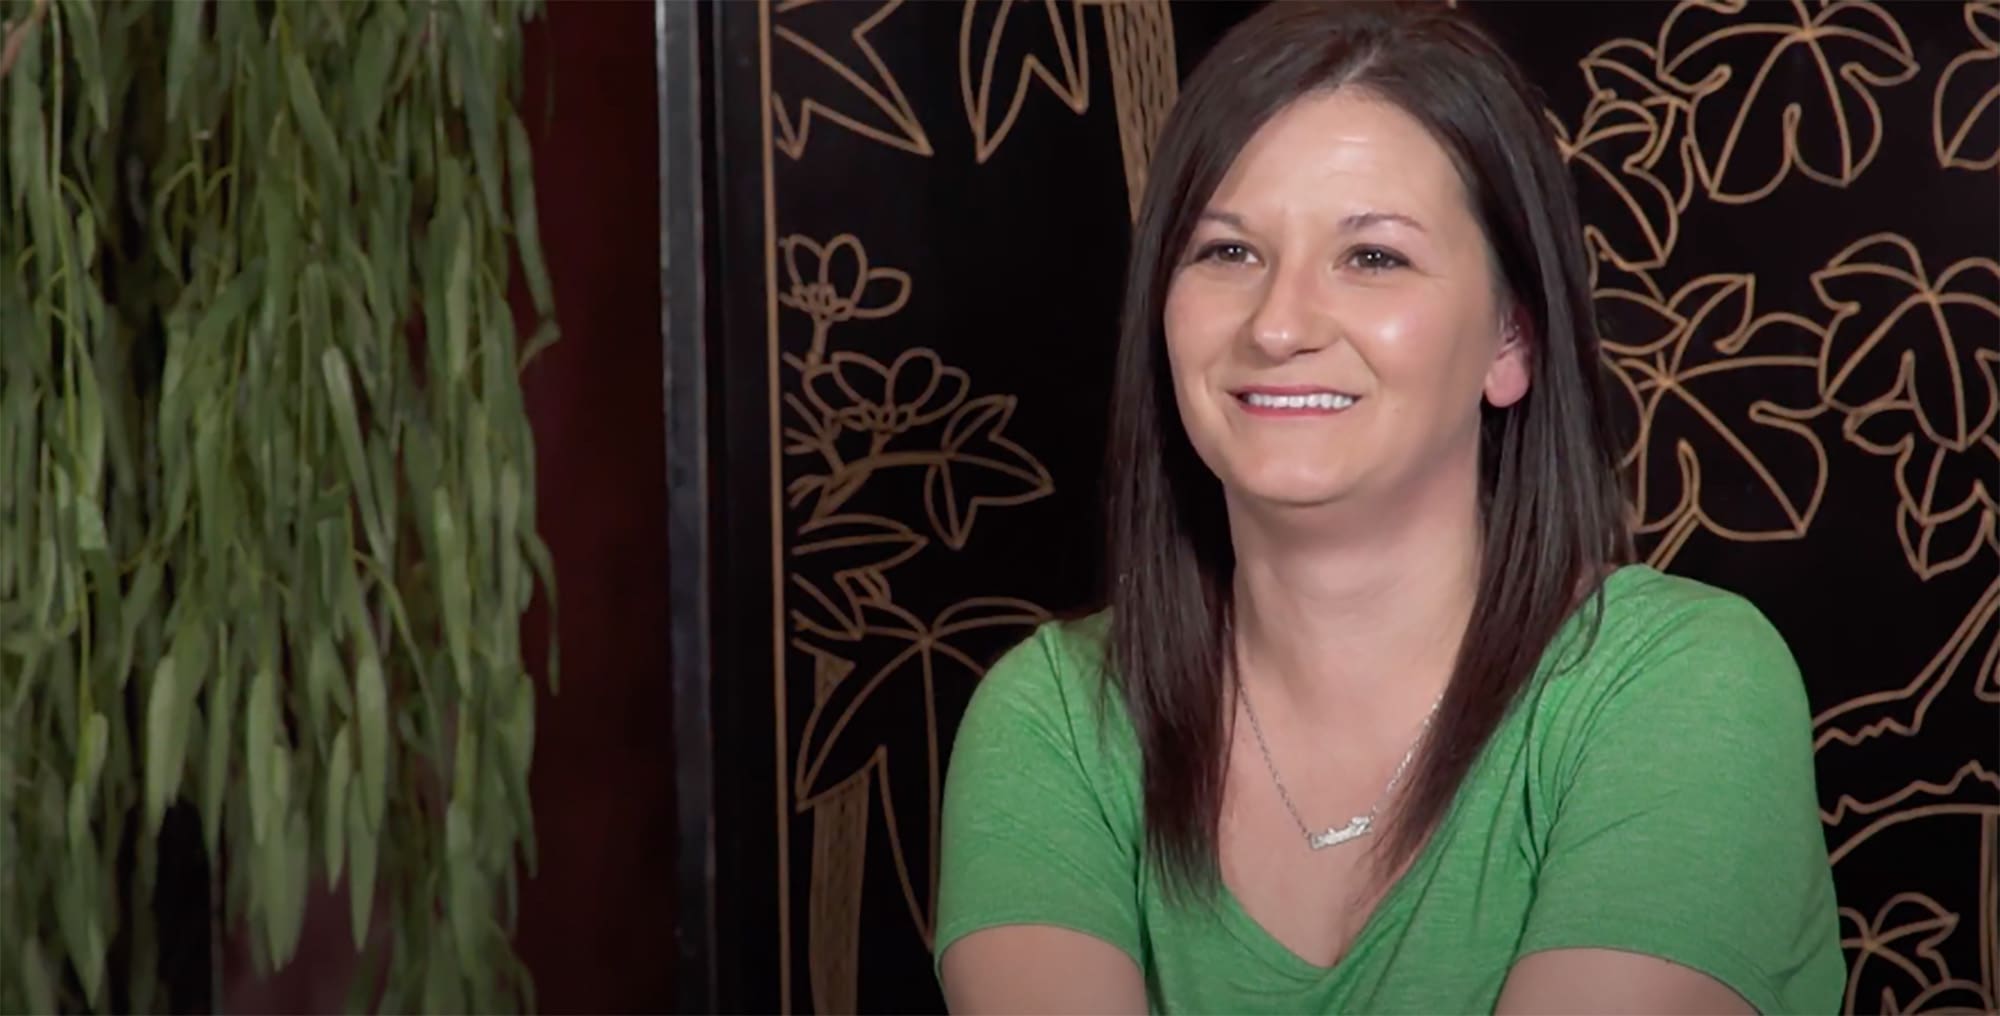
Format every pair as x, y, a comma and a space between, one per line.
980, 467
1749, 133
874, 106
1946, 495
904, 660
982, 56
1701, 427
1628, 154
1898, 949
1964, 109
1892, 326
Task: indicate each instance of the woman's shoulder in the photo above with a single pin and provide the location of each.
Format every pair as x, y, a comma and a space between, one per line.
1651, 634
1053, 682
1646, 613
1057, 654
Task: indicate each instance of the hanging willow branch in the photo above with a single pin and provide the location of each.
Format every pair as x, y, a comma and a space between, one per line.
266, 484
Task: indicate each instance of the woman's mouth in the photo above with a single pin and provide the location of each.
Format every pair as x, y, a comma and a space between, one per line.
1300, 401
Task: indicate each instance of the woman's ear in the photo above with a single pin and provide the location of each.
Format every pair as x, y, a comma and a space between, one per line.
1508, 376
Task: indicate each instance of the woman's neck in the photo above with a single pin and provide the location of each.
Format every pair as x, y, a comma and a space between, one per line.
1356, 617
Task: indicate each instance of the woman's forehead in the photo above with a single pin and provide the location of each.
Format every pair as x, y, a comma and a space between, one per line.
1342, 155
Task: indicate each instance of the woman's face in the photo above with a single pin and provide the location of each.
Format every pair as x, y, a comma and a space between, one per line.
1335, 321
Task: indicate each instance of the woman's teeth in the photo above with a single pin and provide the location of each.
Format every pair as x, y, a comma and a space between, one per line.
1317, 400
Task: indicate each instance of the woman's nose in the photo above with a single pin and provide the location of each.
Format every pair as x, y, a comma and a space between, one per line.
1288, 321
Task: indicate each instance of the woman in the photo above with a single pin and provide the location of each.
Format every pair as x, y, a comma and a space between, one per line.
1366, 532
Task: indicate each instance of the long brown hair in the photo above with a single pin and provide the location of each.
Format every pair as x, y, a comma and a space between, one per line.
1552, 510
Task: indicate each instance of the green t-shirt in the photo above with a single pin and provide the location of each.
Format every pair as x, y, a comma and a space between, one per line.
1653, 795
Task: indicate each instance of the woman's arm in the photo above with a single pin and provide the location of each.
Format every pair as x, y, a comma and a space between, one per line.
1685, 869
1608, 982
1038, 968
1037, 880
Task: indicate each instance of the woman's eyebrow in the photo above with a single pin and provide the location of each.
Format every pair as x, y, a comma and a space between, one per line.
1362, 220
1350, 223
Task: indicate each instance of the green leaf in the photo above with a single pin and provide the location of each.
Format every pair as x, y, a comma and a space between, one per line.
288, 910
24, 94
312, 119
347, 424
544, 337
90, 766
339, 775
457, 313
138, 607
545, 573
229, 308
221, 714
166, 743
441, 982
80, 29
475, 68
267, 896
281, 234
96, 743
467, 910
77, 905
90, 442
35, 978
479, 466
281, 782
371, 715
46, 566
260, 723
527, 224
90, 534
514, 592
86, 256
465, 764
453, 590
517, 746
322, 671
381, 461
185, 29
372, 64
361, 844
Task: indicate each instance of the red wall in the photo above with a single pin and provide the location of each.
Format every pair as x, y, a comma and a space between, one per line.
597, 921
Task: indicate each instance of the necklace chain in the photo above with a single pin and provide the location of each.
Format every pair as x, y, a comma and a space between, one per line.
1357, 826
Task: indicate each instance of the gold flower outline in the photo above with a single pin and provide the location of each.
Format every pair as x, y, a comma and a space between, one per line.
837, 287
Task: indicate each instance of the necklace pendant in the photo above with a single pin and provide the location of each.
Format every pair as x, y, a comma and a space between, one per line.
1355, 828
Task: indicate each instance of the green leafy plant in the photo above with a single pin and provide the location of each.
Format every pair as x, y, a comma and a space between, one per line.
266, 485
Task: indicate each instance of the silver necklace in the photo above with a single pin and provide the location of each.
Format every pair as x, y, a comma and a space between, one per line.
1357, 826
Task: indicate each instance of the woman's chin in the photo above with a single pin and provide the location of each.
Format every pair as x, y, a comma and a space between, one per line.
1291, 492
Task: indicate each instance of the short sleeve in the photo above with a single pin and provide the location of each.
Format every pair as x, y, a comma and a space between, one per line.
1039, 823
1687, 824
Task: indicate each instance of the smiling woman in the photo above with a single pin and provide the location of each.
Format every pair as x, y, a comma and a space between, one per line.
1364, 499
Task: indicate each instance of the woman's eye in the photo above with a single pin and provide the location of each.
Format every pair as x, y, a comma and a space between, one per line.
1375, 259
1225, 252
